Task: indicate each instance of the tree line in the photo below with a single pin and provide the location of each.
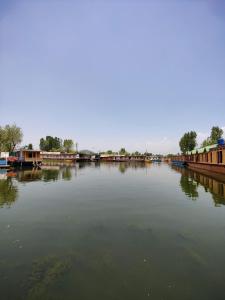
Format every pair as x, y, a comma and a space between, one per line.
188, 140
123, 151
51, 143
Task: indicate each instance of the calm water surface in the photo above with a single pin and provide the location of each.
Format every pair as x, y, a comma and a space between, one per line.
112, 231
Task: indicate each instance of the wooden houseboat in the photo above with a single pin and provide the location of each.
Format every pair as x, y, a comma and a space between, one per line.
25, 157
210, 158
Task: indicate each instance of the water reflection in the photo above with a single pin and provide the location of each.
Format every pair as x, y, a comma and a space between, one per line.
53, 172
213, 183
124, 166
8, 192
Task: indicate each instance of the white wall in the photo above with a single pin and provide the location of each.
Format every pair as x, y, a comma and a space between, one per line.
4, 154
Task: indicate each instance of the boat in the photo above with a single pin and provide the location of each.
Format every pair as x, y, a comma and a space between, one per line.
210, 158
25, 158
148, 159
4, 163
156, 159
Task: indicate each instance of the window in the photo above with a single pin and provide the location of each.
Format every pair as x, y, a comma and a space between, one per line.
30, 154
219, 157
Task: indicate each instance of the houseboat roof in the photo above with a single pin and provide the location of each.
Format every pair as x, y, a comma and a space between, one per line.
203, 149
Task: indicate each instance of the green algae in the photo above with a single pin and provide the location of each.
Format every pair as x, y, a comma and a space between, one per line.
45, 274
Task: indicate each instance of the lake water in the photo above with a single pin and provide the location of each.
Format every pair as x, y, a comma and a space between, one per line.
112, 231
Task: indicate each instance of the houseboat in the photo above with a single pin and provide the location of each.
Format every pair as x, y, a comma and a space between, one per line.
121, 158
85, 155
59, 156
25, 158
210, 158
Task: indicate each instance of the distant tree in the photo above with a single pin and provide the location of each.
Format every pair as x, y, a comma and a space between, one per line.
10, 137
68, 145
122, 151
50, 143
137, 153
42, 144
109, 152
30, 147
188, 141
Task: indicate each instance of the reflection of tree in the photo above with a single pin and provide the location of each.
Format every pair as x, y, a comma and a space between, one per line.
50, 175
29, 175
214, 184
66, 173
122, 168
8, 192
189, 186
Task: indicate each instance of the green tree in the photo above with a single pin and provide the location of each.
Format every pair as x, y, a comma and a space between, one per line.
42, 144
50, 143
122, 151
136, 153
188, 141
68, 145
2, 139
216, 133
207, 142
30, 147
10, 137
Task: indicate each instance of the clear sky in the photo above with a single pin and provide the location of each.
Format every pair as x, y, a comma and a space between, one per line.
112, 74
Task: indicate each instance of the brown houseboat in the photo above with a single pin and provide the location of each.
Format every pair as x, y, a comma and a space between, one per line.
25, 157
210, 158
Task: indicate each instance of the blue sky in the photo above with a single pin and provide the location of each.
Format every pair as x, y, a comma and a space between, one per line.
112, 74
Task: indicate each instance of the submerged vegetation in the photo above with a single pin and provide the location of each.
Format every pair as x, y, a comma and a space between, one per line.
45, 274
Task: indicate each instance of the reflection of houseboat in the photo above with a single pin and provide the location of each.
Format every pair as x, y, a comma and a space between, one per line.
25, 157
210, 158
212, 182
3, 174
